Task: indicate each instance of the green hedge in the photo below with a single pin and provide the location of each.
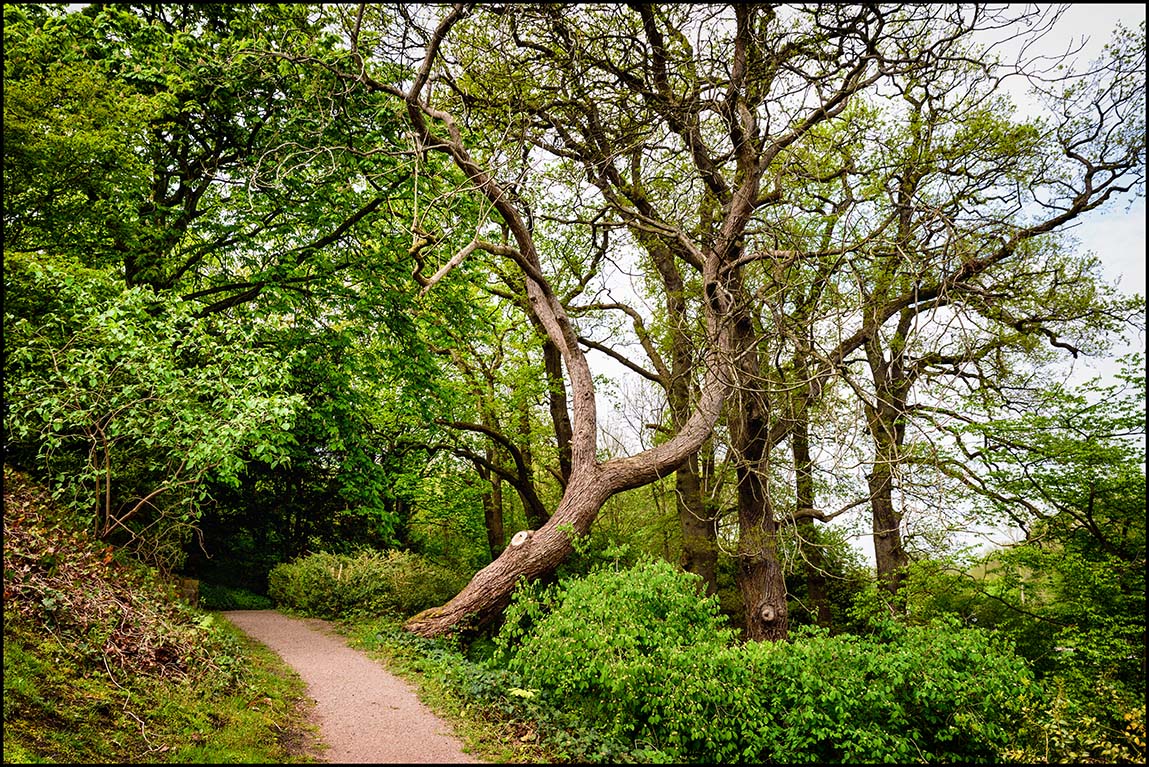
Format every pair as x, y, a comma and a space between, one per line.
327, 585
650, 661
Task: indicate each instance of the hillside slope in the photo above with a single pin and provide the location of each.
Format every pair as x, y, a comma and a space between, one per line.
102, 664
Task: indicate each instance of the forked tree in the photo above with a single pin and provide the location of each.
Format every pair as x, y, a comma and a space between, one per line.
679, 124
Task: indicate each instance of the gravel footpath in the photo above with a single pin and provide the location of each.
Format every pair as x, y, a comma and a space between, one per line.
366, 714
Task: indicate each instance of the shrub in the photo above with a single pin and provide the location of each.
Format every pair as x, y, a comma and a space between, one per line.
923, 693
610, 642
1099, 723
644, 658
325, 585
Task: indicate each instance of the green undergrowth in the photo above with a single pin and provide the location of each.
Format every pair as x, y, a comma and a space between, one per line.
103, 665
480, 702
332, 586
216, 597
633, 665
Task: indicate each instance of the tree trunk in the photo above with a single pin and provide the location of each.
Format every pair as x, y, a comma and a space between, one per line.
889, 553
884, 418
812, 557
493, 509
489, 592
557, 401
760, 576
699, 537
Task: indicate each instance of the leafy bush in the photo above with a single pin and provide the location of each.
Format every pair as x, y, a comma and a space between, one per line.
1101, 724
922, 693
646, 659
125, 402
326, 585
609, 642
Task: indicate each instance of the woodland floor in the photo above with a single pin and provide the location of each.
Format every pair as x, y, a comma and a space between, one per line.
366, 715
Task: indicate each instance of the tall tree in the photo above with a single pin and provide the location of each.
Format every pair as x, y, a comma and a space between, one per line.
163, 148
615, 91
961, 172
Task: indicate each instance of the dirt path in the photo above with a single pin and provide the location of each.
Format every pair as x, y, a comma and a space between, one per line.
366, 714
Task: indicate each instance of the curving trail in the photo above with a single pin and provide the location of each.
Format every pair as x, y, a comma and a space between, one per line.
366, 714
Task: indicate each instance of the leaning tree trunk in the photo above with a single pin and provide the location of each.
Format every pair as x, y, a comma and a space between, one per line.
536, 553
530, 555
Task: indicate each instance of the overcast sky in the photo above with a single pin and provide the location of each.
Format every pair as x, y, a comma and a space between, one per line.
1117, 232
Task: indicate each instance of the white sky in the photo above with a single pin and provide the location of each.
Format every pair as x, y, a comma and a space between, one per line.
1116, 233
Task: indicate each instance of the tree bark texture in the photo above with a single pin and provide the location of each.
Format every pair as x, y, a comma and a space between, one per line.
699, 533
813, 559
760, 576
489, 591
885, 418
493, 509
699, 536
889, 553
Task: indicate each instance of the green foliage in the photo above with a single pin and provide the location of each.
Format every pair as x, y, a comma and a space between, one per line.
924, 693
203, 302
649, 663
325, 585
164, 137
71, 133
446, 513
337, 489
1072, 595
595, 551
1083, 654
1098, 723
845, 574
127, 402
101, 665
608, 636
216, 597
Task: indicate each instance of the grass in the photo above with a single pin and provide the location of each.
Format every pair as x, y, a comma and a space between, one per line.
101, 665
59, 709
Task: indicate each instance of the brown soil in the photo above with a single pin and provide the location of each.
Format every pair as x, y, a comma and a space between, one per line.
366, 715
